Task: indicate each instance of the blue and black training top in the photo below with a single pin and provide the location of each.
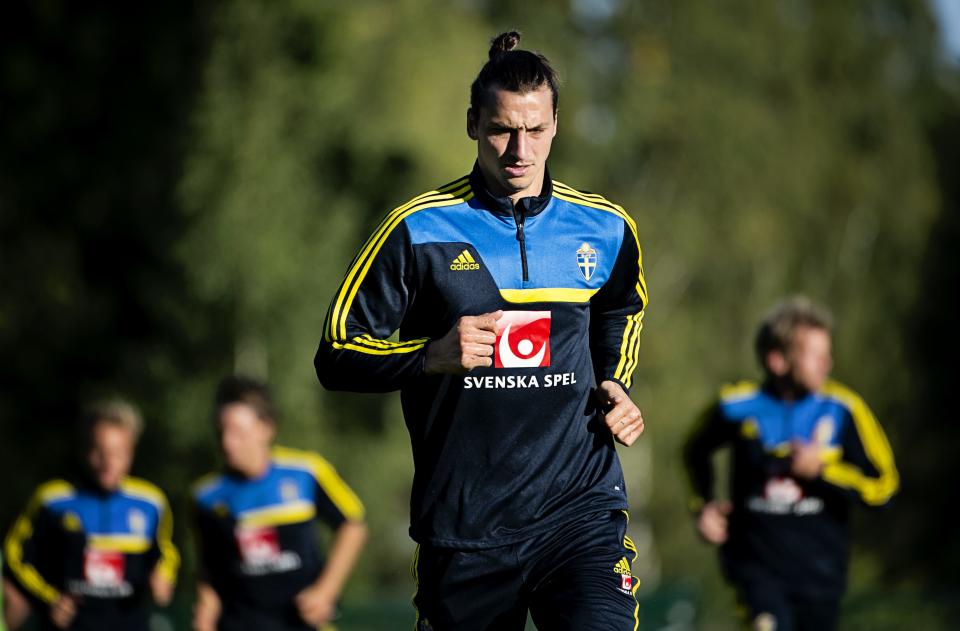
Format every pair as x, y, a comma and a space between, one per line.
784, 529
97, 546
258, 538
502, 453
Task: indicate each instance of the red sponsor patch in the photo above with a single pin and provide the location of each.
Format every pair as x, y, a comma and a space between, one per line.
103, 567
523, 340
258, 545
626, 582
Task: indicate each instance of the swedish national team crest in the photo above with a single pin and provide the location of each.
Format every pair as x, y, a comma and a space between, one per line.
587, 260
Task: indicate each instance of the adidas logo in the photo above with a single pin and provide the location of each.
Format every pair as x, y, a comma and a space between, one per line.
464, 262
622, 567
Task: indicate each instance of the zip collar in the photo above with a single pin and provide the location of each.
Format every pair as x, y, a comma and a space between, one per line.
526, 206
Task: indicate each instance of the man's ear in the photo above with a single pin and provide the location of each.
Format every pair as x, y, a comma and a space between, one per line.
776, 363
471, 124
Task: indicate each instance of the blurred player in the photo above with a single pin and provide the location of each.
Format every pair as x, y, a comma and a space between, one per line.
804, 448
519, 302
91, 553
260, 563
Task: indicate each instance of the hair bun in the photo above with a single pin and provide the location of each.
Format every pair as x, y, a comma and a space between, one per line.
504, 42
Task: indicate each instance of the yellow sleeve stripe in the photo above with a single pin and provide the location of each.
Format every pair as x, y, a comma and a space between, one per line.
874, 491
27, 574
453, 193
332, 484
569, 194
169, 562
388, 348
629, 349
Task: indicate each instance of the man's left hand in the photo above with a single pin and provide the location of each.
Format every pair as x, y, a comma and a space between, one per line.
806, 461
621, 415
316, 607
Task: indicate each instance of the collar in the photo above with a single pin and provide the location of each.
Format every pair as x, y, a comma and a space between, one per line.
527, 206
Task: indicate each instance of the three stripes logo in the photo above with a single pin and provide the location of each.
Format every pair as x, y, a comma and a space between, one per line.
626, 579
464, 262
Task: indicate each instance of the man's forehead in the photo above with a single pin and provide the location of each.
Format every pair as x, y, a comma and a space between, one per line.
505, 104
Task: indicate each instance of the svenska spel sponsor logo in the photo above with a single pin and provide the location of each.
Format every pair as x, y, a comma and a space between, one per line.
523, 340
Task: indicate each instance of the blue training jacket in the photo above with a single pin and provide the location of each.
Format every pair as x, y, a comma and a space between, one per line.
502, 453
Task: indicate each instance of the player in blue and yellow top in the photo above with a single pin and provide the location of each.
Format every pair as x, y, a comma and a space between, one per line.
519, 303
260, 563
804, 449
91, 553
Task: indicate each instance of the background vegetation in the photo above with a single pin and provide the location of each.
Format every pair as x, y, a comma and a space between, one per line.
183, 184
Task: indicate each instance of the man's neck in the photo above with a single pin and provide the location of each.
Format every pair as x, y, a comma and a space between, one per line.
534, 190
785, 388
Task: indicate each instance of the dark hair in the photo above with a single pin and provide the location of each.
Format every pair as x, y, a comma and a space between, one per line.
514, 70
778, 328
249, 391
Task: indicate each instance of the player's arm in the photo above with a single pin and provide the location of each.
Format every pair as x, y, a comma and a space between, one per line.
355, 352
206, 609
616, 319
866, 469
16, 607
710, 432
22, 547
163, 578
340, 508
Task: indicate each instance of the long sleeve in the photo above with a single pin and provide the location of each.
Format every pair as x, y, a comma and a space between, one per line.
616, 313
169, 557
355, 352
709, 433
866, 468
28, 538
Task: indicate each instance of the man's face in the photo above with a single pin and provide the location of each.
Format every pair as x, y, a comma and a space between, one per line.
808, 361
111, 454
514, 133
244, 438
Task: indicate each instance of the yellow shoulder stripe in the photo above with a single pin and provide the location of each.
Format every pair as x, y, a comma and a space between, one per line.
592, 200
739, 390
454, 193
326, 476
144, 490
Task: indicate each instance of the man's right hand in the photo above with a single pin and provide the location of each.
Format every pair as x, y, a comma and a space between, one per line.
712, 521
468, 345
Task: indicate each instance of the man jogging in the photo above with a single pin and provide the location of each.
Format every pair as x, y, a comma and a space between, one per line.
804, 449
519, 303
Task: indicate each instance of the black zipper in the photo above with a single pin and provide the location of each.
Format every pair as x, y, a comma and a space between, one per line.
518, 218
